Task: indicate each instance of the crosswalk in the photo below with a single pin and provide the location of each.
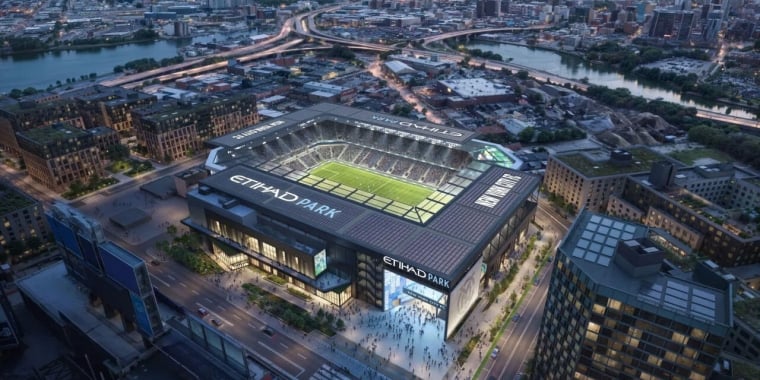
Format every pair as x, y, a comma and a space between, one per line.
328, 373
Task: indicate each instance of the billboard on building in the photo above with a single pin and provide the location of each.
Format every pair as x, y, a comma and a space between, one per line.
463, 297
320, 263
141, 314
64, 235
118, 270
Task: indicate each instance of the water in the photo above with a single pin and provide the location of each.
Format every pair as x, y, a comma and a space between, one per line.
39, 70
43, 69
575, 68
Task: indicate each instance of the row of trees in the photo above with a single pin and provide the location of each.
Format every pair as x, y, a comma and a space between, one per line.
186, 249
291, 314
741, 145
681, 83
95, 182
627, 59
145, 64
529, 134
683, 117
18, 93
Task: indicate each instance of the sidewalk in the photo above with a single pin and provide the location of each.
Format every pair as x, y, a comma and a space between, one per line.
336, 350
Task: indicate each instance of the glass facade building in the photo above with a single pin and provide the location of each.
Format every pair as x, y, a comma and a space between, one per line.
615, 310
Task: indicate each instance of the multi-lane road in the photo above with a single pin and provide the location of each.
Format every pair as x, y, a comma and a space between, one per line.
517, 343
290, 358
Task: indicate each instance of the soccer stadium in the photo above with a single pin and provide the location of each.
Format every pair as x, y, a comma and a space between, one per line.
345, 204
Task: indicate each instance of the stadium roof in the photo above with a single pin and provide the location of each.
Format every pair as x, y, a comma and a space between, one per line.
448, 245
293, 121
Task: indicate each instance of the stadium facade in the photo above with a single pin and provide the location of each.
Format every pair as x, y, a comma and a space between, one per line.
264, 206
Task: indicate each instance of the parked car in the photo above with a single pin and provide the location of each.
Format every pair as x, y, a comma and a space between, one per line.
202, 312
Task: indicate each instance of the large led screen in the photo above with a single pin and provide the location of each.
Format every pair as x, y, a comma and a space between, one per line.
320, 263
463, 297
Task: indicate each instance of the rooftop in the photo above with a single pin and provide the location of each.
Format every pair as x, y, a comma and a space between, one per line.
597, 163
53, 133
475, 87
53, 290
13, 199
591, 245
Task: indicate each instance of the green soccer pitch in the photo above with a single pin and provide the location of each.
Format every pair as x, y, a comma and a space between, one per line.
404, 192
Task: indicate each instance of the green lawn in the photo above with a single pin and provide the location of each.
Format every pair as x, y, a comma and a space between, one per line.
689, 157
371, 182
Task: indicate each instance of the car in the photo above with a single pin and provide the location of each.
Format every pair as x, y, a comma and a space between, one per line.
495, 353
216, 322
516, 318
155, 262
267, 331
202, 312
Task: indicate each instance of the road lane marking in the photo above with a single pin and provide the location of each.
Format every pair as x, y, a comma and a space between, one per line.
237, 317
283, 345
209, 299
251, 324
300, 369
195, 292
161, 281
301, 356
182, 284
171, 277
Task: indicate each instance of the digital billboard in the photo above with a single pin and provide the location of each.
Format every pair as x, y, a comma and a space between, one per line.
64, 235
463, 297
141, 314
320, 263
118, 270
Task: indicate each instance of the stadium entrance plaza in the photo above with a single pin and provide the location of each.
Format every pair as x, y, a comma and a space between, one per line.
403, 342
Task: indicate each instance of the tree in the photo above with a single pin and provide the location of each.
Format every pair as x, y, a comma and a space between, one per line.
171, 230
118, 152
526, 135
523, 74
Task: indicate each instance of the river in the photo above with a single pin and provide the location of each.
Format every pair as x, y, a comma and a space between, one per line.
43, 69
568, 66
39, 70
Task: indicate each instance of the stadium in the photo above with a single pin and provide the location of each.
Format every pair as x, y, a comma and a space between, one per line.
345, 204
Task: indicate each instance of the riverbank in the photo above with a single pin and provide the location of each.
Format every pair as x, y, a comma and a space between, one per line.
74, 48
571, 53
572, 66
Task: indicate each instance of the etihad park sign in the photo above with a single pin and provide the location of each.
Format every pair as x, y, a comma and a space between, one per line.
285, 196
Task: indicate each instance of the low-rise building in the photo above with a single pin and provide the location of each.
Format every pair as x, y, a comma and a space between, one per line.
28, 114
111, 106
59, 155
171, 130
587, 179
711, 208
21, 218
